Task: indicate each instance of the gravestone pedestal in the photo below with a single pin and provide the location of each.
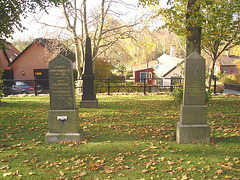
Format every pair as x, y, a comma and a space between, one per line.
193, 125
63, 126
63, 117
89, 103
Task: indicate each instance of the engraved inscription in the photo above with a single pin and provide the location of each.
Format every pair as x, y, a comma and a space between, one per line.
195, 87
61, 84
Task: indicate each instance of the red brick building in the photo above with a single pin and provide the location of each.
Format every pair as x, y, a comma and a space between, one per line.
227, 64
7, 55
33, 60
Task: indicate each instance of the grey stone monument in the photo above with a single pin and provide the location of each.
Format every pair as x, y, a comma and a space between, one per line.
63, 117
89, 96
193, 125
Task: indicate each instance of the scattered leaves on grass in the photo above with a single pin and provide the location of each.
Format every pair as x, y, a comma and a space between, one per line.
82, 174
122, 136
144, 170
108, 171
4, 167
61, 173
220, 171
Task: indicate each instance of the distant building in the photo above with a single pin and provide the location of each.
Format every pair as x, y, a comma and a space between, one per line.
7, 55
160, 72
169, 68
145, 71
227, 64
33, 60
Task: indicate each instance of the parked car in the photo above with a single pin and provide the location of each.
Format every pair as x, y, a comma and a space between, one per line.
21, 87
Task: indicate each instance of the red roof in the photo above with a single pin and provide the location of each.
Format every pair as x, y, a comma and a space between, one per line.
228, 60
8, 54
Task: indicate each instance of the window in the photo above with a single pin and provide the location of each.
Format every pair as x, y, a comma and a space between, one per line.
18, 84
225, 70
150, 75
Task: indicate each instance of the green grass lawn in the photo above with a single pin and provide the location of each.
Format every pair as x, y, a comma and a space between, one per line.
127, 137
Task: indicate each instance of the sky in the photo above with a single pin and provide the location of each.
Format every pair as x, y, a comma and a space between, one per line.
36, 30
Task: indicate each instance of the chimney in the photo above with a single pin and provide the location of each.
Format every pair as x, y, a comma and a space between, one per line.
228, 53
173, 50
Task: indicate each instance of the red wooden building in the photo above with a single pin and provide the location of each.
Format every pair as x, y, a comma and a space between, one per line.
145, 71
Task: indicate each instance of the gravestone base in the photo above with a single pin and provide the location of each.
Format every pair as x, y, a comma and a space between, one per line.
61, 137
63, 126
89, 103
189, 133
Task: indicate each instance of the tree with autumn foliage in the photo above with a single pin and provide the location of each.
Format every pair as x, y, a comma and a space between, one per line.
235, 50
212, 25
220, 29
12, 11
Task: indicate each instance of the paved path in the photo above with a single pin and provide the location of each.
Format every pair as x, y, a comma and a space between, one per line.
229, 91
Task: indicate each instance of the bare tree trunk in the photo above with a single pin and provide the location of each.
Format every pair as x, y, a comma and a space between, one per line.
98, 33
85, 19
72, 29
211, 73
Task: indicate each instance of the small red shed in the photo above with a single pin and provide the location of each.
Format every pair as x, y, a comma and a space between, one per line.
145, 71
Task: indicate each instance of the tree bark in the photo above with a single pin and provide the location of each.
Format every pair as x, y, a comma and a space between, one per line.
211, 75
193, 40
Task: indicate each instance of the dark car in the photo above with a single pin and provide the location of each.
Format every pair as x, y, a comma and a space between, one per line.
21, 87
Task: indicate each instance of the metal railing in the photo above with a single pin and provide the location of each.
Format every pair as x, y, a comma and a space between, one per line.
141, 85
108, 85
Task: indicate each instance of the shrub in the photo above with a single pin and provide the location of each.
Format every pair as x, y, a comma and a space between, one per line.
129, 74
116, 86
177, 94
103, 69
230, 78
120, 68
220, 87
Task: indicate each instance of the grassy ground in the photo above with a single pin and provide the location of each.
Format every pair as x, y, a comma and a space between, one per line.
127, 137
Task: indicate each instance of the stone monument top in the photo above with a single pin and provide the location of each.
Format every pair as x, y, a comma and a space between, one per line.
61, 83
194, 83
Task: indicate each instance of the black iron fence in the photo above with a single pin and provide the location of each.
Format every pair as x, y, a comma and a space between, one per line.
135, 85
122, 85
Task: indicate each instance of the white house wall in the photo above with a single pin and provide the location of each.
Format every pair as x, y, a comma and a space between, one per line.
175, 73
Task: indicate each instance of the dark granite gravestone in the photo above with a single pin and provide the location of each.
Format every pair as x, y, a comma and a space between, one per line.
193, 125
63, 116
89, 96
